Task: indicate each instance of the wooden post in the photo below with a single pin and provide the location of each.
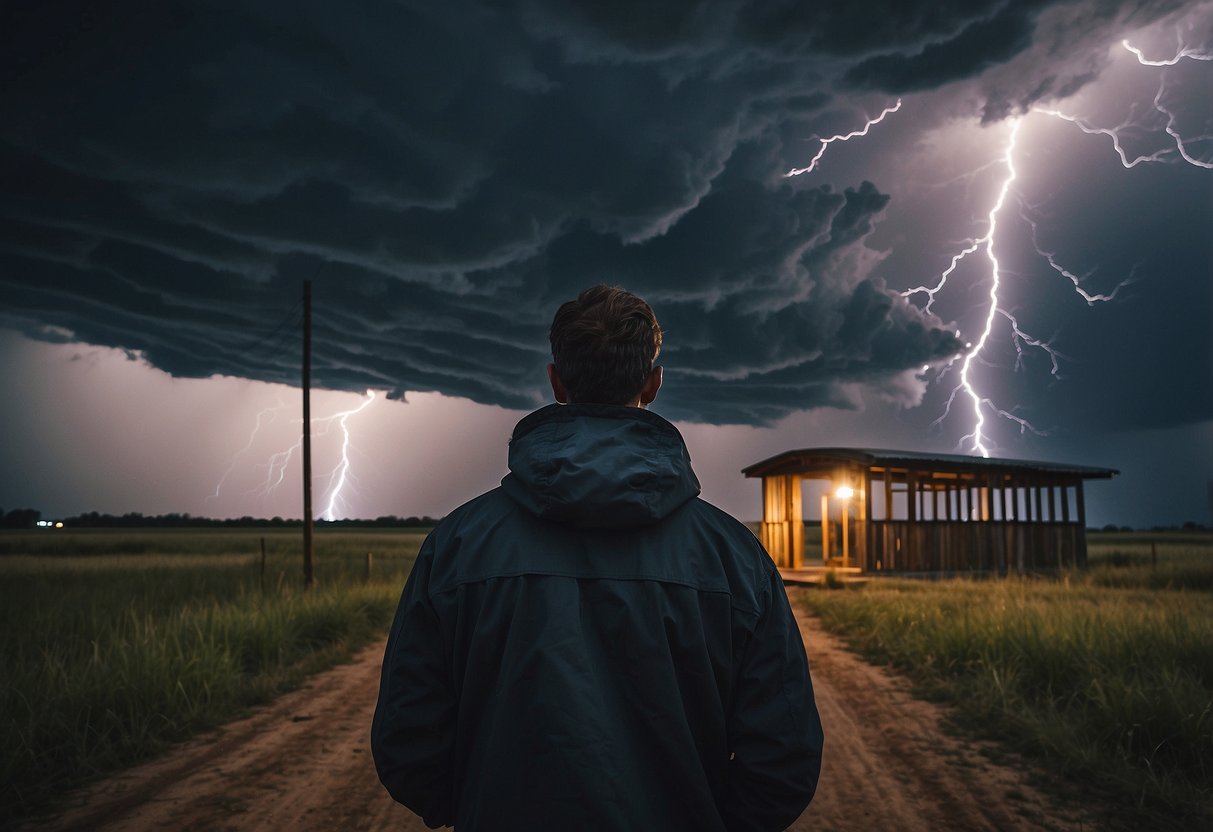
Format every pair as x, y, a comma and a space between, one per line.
1069, 532
990, 556
261, 578
825, 528
890, 559
795, 509
770, 508
783, 520
1010, 517
368, 567
863, 534
308, 575
1080, 504
846, 552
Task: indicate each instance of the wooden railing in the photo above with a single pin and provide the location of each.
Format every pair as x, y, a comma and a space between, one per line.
986, 547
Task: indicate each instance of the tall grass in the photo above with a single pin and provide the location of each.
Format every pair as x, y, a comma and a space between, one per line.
1102, 677
1169, 560
109, 657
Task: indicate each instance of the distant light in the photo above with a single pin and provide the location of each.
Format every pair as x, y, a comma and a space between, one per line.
43, 523
844, 492
59, 525
926, 367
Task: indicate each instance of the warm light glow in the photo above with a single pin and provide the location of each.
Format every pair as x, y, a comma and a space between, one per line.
844, 492
59, 525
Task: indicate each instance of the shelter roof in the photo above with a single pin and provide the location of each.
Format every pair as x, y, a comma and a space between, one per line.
819, 460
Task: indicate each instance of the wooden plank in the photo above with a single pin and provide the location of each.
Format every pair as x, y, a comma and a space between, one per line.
864, 531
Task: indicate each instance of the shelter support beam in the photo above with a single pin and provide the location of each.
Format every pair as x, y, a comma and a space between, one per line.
783, 520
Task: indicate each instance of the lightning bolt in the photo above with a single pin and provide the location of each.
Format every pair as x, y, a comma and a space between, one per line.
1114, 133
1181, 52
339, 476
1021, 340
269, 411
1019, 337
275, 472
1131, 123
843, 137
1165, 154
1174, 134
933, 291
338, 479
1051, 258
987, 241
966, 386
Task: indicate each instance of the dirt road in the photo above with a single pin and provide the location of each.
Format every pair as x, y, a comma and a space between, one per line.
302, 764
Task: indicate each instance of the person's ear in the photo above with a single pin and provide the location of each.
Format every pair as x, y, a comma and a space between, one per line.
651, 385
558, 390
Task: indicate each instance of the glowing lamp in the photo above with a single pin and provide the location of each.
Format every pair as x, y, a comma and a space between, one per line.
844, 492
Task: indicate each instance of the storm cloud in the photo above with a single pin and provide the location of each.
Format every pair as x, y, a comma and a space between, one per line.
447, 174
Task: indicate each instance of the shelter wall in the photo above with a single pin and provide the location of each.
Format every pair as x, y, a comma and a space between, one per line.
985, 547
783, 520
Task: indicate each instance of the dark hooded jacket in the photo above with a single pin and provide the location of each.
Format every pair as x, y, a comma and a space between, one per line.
590, 646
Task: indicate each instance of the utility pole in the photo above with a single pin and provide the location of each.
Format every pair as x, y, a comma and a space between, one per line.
307, 435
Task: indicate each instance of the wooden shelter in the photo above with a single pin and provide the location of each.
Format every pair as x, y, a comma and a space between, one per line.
907, 512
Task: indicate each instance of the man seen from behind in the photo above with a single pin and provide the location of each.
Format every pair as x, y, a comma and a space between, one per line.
590, 645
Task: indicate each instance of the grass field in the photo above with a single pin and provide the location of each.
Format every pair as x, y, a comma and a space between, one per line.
117, 642
1104, 677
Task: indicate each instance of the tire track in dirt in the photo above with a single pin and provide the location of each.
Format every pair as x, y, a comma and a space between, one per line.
302, 763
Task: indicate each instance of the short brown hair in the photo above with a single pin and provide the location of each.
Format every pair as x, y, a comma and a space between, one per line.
604, 344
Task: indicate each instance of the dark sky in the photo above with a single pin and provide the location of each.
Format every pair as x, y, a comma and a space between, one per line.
447, 174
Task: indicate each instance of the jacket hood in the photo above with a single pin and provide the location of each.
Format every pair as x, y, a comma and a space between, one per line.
599, 466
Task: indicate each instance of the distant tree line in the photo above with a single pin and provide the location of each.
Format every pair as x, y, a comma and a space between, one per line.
19, 518
27, 518
1189, 526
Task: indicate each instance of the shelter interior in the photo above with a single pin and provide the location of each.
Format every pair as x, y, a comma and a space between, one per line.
907, 512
